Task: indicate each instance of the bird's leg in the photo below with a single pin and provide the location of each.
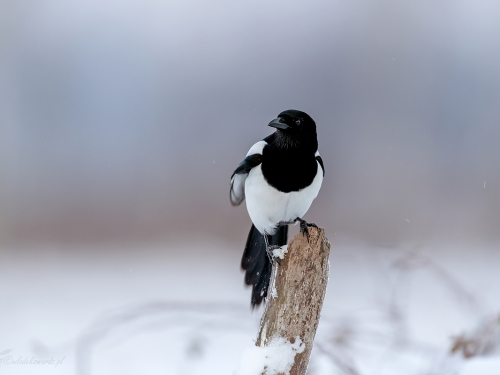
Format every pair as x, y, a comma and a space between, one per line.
269, 250
304, 226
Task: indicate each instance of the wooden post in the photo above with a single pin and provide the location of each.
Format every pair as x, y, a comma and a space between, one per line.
295, 295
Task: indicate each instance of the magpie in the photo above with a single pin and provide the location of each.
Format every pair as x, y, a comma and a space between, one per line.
280, 177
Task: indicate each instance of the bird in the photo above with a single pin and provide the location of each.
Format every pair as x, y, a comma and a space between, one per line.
279, 178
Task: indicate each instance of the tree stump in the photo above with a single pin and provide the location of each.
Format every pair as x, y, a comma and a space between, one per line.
295, 295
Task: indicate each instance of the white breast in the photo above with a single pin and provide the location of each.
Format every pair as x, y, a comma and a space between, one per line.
267, 206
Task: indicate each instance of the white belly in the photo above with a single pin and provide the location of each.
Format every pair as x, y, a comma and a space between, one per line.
267, 206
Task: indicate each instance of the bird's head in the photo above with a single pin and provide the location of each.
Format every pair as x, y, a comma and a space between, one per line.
293, 121
295, 126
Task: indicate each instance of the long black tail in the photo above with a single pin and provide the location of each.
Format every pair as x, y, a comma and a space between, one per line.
256, 263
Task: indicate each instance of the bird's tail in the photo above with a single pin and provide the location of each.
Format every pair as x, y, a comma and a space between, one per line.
256, 263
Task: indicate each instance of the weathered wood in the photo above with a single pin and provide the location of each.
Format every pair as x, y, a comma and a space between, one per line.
295, 296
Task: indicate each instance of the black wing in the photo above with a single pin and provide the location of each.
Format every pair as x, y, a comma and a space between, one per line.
237, 191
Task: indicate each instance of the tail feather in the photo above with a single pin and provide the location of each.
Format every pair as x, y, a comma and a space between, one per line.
256, 262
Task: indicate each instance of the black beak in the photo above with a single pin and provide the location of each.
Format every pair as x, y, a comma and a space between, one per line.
279, 123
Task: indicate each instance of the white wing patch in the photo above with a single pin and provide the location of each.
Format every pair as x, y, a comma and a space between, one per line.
257, 148
237, 192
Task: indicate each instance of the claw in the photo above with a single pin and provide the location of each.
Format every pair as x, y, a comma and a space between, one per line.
304, 230
304, 227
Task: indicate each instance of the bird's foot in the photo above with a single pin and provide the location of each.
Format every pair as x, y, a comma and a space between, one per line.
283, 223
304, 227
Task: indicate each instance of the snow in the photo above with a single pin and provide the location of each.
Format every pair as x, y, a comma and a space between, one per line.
274, 292
184, 309
281, 252
482, 366
276, 358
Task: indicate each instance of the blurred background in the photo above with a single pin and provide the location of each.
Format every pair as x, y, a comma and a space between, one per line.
125, 120
121, 123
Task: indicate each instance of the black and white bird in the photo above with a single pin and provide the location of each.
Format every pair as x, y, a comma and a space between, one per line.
280, 177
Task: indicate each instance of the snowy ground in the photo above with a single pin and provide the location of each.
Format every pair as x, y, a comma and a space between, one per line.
151, 309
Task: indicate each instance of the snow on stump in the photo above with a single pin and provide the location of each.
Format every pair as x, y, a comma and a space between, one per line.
294, 301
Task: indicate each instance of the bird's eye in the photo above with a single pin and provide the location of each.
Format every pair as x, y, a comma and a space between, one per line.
298, 121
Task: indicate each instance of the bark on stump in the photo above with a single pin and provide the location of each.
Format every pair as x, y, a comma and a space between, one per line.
296, 293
